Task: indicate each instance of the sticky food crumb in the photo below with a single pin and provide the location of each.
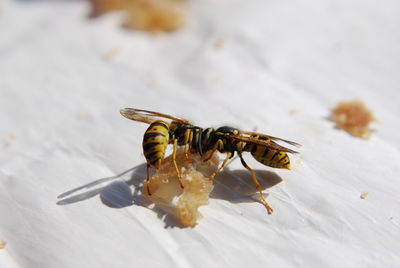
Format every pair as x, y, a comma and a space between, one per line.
100, 7
147, 15
364, 195
155, 15
2, 244
353, 117
182, 203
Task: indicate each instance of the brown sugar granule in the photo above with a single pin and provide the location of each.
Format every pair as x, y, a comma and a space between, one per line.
182, 203
2, 244
353, 117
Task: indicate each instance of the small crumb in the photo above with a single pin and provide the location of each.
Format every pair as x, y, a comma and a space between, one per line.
215, 78
353, 117
152, 84
9, 139
83, 112
391, 218
111, 53
294, 112
364, 195
2, 244
219, 44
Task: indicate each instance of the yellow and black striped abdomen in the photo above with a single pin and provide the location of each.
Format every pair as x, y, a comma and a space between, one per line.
266, 156
271, 158
155, 141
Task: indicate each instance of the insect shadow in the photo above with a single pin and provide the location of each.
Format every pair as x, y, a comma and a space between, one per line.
237, 186
124, 190
114, 191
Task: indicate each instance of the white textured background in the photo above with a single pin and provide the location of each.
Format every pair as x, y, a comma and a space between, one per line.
60, 129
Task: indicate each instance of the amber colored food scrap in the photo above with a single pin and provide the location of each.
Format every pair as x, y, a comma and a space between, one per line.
182, 203
155, 15
100, 7
2, 244
364, 195
353, 117
146, 15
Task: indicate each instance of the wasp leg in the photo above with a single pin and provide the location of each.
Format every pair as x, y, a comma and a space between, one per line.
217, 145
228, 156
175, 164
148, 178
256, 182
188, 139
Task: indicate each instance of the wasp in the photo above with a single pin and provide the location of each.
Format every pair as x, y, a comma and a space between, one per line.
206, 142
262, 147
161, 133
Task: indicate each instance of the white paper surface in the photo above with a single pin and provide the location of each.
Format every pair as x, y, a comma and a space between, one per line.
60, 129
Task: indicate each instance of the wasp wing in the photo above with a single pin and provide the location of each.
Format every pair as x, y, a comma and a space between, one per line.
148, 117
267, 144
270, 137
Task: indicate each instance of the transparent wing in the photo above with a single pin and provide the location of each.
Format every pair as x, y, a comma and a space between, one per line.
148, 116
270, 137
267, 144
